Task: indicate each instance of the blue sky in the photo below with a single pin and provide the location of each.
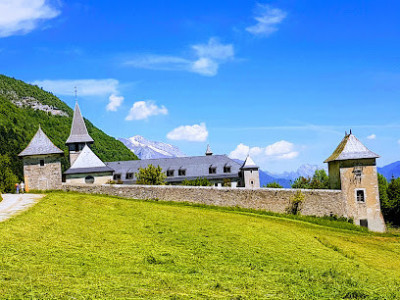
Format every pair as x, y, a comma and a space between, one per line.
282, 80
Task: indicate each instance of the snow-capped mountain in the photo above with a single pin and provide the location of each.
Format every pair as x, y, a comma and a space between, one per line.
305, 170
145, 149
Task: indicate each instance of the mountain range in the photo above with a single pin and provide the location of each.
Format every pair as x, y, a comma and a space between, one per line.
146, 149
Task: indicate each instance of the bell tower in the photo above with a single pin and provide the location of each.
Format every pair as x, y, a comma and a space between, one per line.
79, 136
249, 173
352, 168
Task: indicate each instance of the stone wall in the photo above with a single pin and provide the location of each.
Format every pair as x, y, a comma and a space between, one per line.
317, 202
46, 177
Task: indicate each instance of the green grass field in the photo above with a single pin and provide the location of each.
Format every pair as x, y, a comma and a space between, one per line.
75, 246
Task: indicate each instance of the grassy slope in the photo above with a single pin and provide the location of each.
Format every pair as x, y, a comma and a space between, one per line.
72, 245
18, 125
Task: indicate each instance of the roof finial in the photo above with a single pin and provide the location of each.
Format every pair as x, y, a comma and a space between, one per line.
76, 95
350, 131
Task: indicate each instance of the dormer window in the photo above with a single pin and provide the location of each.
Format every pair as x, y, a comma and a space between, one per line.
117, 176
182, 172
227, 169
212, 170
170, 173
129, 176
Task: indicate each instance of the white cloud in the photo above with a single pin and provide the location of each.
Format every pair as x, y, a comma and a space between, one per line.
115, 102
23, 16
371, 137
267, 20
86, 87
205, 61
141, 110
277, 151
192, 133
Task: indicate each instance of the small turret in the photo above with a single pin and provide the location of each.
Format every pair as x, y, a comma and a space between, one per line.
250, 173
209, 151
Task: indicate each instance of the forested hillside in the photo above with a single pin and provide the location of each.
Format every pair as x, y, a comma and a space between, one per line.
23, 107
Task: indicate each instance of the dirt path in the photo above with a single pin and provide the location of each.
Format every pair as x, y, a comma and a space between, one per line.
15, 203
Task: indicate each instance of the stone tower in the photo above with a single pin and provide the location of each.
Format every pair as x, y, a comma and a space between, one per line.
352, 168
250, 174
42, 163
79, 136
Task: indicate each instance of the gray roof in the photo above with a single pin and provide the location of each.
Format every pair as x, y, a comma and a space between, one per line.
87, 162
249, 163
40, 145
79, 133
89, 170
195, 166
351, 148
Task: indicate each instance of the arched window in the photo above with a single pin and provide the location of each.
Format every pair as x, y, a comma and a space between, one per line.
89, 179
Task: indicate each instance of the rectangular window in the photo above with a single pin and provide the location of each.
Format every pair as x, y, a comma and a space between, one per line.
129, 175
182, 172
227, 169
170, 173
117, 176
212, 170
42, 162
360, 196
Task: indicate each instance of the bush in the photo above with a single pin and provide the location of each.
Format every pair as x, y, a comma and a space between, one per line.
274, 185
296, 202
151, 175
199, 181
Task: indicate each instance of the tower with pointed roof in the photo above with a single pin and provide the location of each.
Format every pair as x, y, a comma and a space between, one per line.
42, 163
79, 136
352, 168
250, 174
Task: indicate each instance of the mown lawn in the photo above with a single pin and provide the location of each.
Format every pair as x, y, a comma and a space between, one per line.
77, 246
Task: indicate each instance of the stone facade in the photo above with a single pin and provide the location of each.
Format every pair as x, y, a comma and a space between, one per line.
359, 184
42, 172
317, 202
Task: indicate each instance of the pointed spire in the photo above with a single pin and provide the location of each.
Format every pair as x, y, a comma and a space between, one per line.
249, 163
209, 151
40, 145
79, 133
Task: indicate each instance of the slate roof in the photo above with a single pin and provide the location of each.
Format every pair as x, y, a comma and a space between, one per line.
87, 162
351, 148
40, 145
249, 163
79, 133
195, 166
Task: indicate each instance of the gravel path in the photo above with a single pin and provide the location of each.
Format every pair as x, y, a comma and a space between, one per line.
15, 203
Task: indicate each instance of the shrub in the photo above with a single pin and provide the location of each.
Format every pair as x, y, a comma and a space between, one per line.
199, 181
296, 202
274, 185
